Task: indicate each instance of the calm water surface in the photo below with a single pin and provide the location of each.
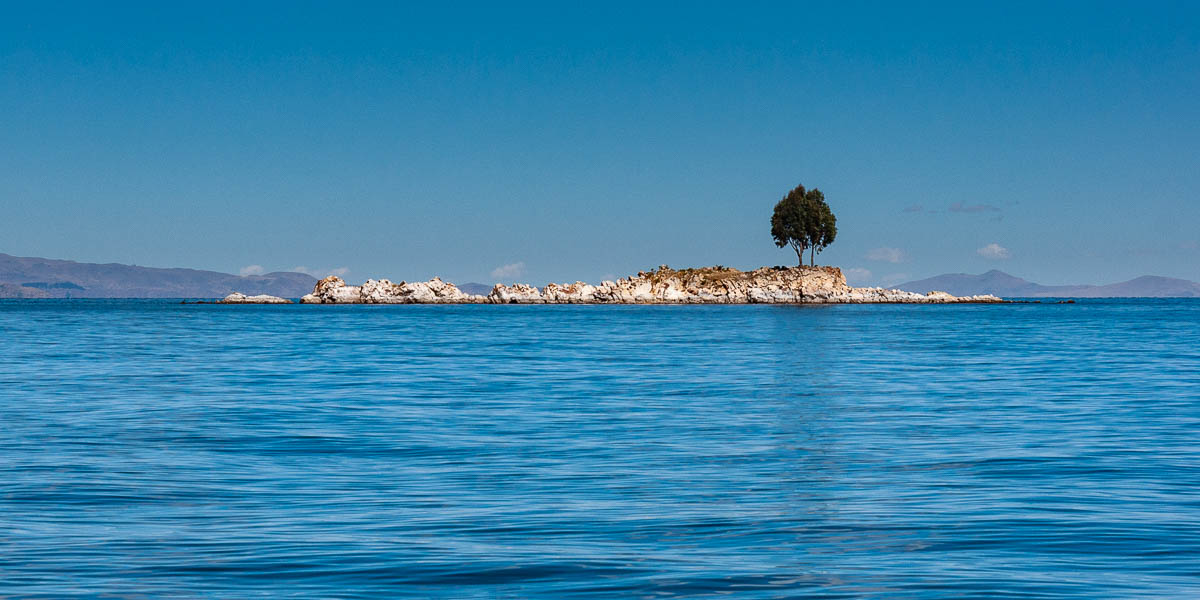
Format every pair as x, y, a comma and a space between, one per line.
150, 449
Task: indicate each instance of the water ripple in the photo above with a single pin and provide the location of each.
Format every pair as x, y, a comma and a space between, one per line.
151, 449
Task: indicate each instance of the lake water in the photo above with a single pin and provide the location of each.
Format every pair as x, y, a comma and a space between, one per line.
152, 449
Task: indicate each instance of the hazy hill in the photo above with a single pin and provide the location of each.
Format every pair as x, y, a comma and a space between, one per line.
23, 277
11, 290
1005, 285
476, 288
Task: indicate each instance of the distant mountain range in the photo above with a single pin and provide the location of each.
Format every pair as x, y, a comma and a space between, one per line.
23, 277
1004, 285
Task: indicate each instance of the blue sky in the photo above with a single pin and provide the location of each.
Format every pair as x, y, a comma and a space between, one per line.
1059, 142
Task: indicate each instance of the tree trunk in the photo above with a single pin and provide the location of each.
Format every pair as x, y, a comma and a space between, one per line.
799, 254
812, 256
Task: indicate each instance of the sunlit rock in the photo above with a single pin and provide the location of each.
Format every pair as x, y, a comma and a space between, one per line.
240, 298
332, 290
710, 285
518, 293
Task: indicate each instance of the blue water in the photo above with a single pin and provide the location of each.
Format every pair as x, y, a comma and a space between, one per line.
150, 449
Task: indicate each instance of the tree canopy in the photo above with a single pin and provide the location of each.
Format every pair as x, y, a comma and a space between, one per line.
803, 220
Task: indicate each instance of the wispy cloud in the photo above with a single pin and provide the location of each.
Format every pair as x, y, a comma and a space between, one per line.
251, 270
915, 208
959, 207
885, 254
994, 251
321, 273
510, 270
857, 276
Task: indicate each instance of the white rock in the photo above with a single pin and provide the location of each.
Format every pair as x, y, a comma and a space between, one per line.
569, 293
770, 285
332, 290
240, 298
518, 293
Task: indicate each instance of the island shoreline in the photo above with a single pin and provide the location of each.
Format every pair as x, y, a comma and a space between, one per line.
662, 286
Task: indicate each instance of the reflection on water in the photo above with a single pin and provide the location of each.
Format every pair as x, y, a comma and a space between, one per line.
155, 449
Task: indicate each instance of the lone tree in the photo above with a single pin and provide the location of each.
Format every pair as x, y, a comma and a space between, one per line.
803, 220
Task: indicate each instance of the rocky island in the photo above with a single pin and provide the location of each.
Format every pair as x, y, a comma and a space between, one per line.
802, 220
710, 285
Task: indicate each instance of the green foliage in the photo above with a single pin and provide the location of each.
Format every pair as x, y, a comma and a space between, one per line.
788, 222
824, 225
803, 220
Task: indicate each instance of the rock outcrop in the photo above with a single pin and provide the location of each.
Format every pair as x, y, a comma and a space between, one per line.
712, 285
240, 298
332, 290
720, 285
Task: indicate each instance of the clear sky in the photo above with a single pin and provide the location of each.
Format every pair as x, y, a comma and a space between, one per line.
1056, 141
